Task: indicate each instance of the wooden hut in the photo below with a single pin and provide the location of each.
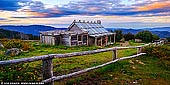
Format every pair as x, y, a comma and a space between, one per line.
68, 38
79, 33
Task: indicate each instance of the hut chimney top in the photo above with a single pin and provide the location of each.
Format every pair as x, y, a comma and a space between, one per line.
79, 20
74, 21
83, 21
99, 21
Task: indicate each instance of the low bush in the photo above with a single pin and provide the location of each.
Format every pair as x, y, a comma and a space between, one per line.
8, 44
161, 52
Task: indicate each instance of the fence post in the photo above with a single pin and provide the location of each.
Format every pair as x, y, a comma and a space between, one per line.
114, 53
47, 70
139, 50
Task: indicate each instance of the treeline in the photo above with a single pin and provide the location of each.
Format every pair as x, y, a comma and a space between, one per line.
16, 35
145, 36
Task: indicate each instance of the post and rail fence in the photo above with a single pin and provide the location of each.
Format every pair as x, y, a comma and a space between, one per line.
47, 66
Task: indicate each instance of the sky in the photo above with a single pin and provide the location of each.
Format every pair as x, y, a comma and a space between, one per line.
61, 13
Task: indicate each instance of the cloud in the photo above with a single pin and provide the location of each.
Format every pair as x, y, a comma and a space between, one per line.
85, 7
11, 5
113, 7
155, 5
158, 8
2, 19
33, 6
37, 9
28, 14
5, 20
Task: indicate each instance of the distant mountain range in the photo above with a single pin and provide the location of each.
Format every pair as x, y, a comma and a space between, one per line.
35, 29
30, 29
159, 29
162, 32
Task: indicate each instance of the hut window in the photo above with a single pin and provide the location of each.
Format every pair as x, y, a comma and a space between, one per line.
74, 37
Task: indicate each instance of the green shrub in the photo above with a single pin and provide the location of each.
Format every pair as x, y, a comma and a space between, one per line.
12, 44
25, 46
17, 44
168, 43
161, 52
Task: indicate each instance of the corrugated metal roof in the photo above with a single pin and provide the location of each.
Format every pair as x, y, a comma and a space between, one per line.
94, 29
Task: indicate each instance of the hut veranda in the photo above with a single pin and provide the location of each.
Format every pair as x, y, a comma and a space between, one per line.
79, 33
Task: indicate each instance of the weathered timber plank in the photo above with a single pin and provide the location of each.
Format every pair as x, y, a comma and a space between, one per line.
25, 60
88, 69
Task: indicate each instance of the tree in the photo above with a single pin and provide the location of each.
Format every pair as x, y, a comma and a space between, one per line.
146, 36
155, 37
168, 38
129, 36
33, 37
119, 35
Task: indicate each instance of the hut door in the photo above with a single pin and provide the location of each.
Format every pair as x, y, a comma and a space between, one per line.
57, 40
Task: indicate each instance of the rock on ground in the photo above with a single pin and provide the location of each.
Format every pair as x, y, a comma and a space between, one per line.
13, 51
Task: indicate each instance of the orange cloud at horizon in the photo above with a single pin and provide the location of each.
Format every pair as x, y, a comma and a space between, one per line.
29, 13
36, 14
155, 5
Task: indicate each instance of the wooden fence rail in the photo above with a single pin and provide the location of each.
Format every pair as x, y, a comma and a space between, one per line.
53, 78
51, 56
47, 67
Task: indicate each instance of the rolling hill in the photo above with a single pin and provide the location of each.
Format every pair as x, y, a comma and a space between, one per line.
161, 32
30, 29
16, 35
35, 29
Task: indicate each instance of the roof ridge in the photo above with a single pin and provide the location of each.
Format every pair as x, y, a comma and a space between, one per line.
91, 22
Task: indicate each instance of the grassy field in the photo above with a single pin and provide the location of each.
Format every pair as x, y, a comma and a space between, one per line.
138, 71
62, 65
141, 70
144, 70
